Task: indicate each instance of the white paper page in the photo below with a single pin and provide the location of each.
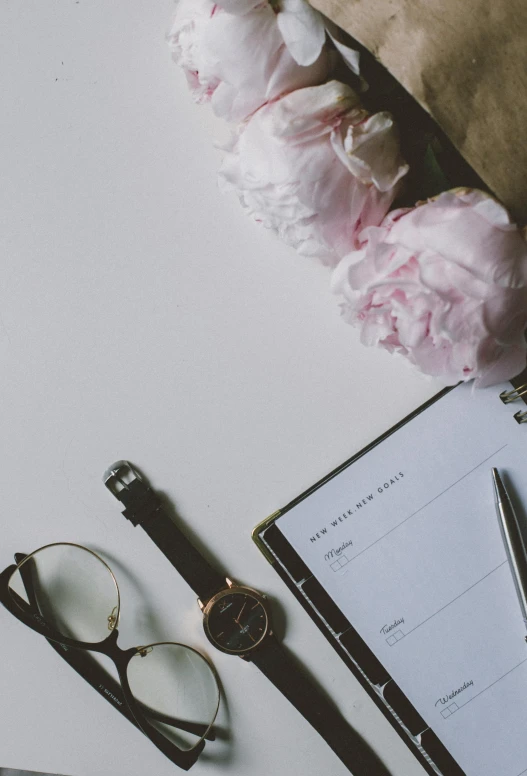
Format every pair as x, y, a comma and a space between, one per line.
406, 541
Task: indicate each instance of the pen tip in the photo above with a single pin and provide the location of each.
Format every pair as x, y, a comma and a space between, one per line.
499, 487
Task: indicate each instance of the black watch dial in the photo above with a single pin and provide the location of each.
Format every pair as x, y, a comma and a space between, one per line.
237, 621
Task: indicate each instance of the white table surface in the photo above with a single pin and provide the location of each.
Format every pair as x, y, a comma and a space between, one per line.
142, 316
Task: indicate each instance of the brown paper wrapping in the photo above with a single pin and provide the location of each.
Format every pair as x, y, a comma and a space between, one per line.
465, 62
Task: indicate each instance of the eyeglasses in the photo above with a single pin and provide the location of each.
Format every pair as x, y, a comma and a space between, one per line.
69, 594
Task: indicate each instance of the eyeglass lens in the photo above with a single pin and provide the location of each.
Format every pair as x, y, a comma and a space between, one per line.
75, 592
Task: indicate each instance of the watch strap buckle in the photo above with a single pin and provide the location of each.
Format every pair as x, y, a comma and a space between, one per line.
119, 476
127, 485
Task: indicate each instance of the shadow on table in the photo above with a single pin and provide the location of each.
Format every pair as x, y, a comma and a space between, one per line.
15, 772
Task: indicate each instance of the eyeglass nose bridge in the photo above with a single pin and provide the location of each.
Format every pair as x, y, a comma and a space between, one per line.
119, 476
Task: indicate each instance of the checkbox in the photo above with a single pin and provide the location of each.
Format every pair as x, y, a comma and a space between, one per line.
446, 713
398, 635
453, 707
391, 640
335, 566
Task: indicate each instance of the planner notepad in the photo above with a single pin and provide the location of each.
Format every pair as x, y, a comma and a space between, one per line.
398, 557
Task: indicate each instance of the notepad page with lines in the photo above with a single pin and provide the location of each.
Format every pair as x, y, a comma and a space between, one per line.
406, 542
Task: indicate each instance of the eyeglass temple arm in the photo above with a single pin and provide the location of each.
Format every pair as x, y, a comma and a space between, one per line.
94, 674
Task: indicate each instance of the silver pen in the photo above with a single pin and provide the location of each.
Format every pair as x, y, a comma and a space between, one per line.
513, 541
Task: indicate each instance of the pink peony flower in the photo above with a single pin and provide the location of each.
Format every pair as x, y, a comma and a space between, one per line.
444, 284
240, 54
316, 168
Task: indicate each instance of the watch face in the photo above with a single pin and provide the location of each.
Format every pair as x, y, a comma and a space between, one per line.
237, 621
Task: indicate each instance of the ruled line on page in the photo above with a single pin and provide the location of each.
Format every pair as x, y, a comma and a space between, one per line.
428, 503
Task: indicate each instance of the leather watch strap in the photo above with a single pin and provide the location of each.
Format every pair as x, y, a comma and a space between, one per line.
285, 673
144, 507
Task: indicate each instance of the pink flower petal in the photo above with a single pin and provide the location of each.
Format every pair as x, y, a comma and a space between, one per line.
288, 173
451, 278
302, 29
238, 45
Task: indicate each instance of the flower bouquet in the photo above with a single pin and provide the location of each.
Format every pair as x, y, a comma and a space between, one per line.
333, 154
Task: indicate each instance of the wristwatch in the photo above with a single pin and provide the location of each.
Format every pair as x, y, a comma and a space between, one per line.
236, 618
